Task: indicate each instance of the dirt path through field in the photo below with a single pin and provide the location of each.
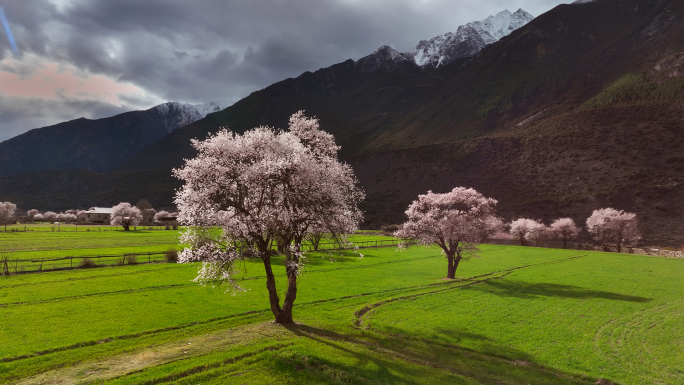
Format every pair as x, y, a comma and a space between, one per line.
120, 365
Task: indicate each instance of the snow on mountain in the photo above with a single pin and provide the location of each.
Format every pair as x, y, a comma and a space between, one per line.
385, 59
468, 39
177, 115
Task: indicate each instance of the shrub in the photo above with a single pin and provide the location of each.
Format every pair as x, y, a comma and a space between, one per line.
171, 255
130, 259
87, 263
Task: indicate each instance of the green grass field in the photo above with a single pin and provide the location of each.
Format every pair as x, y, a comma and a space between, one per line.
46, 245
515, 316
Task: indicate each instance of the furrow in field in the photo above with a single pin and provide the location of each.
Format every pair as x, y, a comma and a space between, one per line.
471, 281
622, 341
130, 364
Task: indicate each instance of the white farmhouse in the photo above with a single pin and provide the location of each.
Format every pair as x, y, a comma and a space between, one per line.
99, 215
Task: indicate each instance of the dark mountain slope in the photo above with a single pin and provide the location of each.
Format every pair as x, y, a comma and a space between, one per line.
555, 63
95, 145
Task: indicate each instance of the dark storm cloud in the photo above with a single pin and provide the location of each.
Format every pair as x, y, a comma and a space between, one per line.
199, 51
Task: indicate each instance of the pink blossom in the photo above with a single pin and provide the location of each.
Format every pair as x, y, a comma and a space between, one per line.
565, 229
611, 226
262, 187
453, 221
125, 215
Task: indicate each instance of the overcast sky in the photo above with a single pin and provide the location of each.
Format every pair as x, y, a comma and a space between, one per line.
98, 58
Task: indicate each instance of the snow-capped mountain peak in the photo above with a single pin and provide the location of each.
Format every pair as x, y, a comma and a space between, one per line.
468, 39
385, 59
177, 115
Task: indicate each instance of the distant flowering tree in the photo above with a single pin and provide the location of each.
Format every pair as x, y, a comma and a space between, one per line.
7, 210
38, 217
611, 226
565, 229
522, 229
538, 232
450, 220
160, 214
148, 214
81, 215
259, 187
125, 215
50, 215
489, 226
32, 213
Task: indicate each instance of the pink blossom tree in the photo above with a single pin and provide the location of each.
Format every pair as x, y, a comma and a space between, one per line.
538, 232
489, 226
611, 226
522, 228
125, 215
160, 214
38, 217
32, 213
259, 187
81, 215
565, 229
50, 215
7, 210
148, 214
451, 221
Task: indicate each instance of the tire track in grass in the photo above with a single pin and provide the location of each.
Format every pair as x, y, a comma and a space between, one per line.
359, 314
618, 339
184, 349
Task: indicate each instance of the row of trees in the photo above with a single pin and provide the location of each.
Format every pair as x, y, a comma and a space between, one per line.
608, 226
124, 214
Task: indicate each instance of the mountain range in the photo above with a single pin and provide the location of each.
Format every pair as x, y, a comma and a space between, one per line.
580, 108
97, 145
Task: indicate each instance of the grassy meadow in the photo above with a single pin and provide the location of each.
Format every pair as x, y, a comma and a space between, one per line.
516, 315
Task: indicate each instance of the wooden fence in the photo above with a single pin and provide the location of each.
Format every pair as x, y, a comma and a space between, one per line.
19, 266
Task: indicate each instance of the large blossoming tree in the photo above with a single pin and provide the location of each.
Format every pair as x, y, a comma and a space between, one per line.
125, 215
261, 188
453, 221
611, 226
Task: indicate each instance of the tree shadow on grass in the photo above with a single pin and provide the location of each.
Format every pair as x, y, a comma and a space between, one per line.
400, 358
519, 289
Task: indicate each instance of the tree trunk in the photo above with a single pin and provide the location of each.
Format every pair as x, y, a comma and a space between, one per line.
565, 241
619, 243
271, 286
292, 270
522, 240
453, 265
